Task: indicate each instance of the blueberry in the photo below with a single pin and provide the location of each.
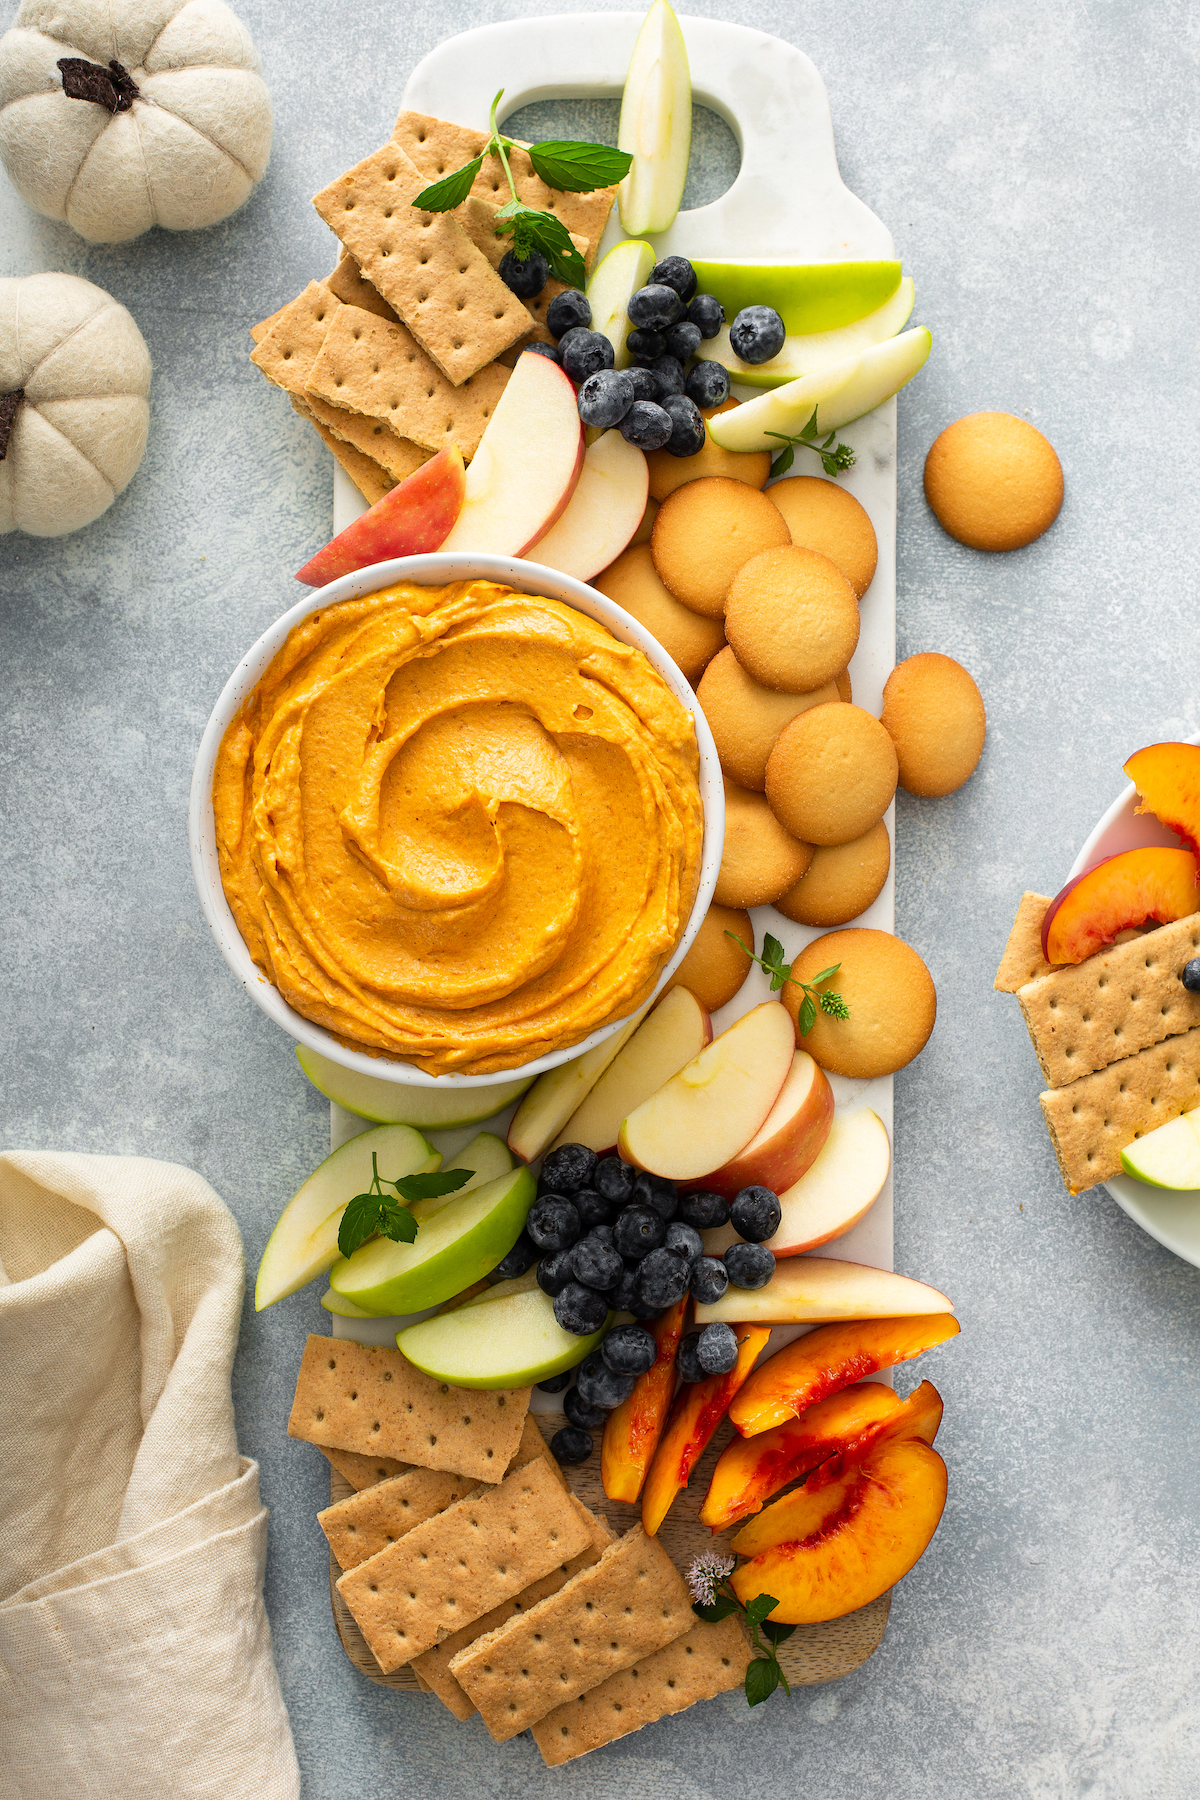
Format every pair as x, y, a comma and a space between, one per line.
553, 1223
581, 1412
614, 1179
596, 1263
704, 1209
624, 1294
645, 383
554, 1384
583, 352
687, 425
629, 1350
755, 1214
549, 350
654, 307
748, 1266
662, 1279
687, 1361
522, 1256
757, 334
554, 1271
570, 1446
598, 1385
568, 311
656, 1192
675, 272
1191, 975
683, 340
647, 344
569, 1167
708, 385
525, 276
717, 1349
684, 1240
708, 314
646, 425
593, 1208
638, 1231
668, 372
709, 1280
605, 398
580, 1310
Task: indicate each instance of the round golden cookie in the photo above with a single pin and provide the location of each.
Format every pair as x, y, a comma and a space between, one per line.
832, 774
934, 714
760, 861
842, 881
669, 472
993, 481
792, 618
890, 996
642, 534
688, 639
714, 968
745, 718
703, 534
842, 684
823, 516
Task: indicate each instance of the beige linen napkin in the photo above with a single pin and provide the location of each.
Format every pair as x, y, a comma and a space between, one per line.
135, 1654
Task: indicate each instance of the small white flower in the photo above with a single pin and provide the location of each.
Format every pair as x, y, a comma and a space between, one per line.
706, 1573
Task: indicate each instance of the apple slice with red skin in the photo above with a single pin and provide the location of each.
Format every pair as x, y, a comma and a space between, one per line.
814, 1290
1167, 778
413, 519
665, 1042
1136, 887
790, 1139
698, 1409
703, 1116
833, 1356
841, 1186
602, 514
528, 461
632, 1430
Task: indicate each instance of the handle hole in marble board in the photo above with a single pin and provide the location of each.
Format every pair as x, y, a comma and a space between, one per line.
712, 167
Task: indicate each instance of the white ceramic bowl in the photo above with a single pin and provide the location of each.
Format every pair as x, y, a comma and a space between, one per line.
528, 577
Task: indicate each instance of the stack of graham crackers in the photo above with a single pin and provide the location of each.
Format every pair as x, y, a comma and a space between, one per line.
466, 1558
1117, 1037
406, 347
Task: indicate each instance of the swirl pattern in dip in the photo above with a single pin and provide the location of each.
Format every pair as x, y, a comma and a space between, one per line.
459, 825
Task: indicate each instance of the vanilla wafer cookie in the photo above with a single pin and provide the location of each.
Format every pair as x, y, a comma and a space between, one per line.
1023, 960
1095, 1118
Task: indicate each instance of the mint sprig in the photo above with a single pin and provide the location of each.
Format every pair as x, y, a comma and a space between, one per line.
781, 972
378, 1214
708, 1578
835, 458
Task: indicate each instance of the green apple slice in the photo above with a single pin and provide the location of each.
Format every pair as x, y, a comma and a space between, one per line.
809, 297
655, 124
391, 1103
1168, 1157
453, 1248
625, 269
506, 1343
820, 349
555, 1095
520, 1284
304, 1241
345, 1309
487, 1156
839, 395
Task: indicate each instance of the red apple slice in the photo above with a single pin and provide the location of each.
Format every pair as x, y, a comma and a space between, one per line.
412, 519
843, 1183
808, 1290
528, 461
1167, 778
790, 1138
1151, 884
675, 1032
708, 1112
602, 514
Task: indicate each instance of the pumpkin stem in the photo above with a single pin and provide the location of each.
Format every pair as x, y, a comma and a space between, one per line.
113, 87
8, 412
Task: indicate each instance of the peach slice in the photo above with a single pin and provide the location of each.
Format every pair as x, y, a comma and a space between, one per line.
830, 1358
632, 1430
843, 1183
852, 1540
698, 1410
665, 1042
811, 1290
1137, 886
790, 1138
1167, 778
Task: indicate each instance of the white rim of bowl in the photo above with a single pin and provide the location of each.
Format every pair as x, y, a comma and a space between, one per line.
432, 570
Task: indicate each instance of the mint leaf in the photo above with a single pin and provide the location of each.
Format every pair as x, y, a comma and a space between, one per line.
720, 1609
451, 191
825, 975
575, 168
783, 461
430, 1187
360, 1221
778, 1634
534, 230
762, 1678
759, 1607
397, 1223
808, 1015
810, 430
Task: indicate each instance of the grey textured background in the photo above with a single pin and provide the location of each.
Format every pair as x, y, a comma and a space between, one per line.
1038, 166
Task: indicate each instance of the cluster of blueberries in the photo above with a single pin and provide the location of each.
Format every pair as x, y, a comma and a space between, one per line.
657, 403
610, 1238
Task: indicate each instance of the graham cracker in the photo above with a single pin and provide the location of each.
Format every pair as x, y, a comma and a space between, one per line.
424, 264
630, 1603
258, 332
478, 221
1095, 1118
361, 1397
1023, 960
1084, 1016
364, 1471
353, 289
706, 1661
457, 1566
366, 474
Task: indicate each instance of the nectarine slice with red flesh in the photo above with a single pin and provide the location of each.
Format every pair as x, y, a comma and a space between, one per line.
750, 1470
829, 1358
1167, 778
632, 1430
698, 1410
1137, 887
853, 1539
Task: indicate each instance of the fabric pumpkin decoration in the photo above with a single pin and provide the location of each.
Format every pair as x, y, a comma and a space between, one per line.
116, 115
74, 376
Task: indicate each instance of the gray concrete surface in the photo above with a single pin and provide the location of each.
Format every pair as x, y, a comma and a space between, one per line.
1038, 166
